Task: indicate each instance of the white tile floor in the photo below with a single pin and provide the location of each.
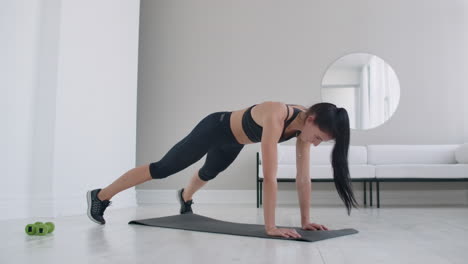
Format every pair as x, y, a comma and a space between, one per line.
386, 235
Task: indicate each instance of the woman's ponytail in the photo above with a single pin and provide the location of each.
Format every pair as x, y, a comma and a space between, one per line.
335, 121
340, 160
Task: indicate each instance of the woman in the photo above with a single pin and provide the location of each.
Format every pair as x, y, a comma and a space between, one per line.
222, 135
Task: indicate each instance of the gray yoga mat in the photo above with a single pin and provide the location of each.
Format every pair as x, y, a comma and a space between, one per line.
200, 223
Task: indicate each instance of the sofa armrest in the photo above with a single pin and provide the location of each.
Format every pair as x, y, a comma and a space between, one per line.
461, 153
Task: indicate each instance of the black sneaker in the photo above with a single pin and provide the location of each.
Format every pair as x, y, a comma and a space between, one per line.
185, 206
96, 207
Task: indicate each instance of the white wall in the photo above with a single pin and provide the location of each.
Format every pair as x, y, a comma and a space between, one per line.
18, 77
72, 115
198, 57
465, 89
466, 114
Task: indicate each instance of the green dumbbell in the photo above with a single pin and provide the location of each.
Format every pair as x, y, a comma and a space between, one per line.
30, 229
51, 226
40, 228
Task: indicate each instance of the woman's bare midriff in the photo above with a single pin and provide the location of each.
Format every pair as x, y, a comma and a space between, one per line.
257, 112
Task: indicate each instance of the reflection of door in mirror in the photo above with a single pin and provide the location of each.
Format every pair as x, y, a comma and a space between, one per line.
365, 86
343, 96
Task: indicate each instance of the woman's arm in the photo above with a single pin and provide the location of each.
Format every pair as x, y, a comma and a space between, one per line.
272, 128
303, 184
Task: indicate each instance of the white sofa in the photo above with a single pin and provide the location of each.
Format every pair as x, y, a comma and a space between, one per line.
376, 163
417, 163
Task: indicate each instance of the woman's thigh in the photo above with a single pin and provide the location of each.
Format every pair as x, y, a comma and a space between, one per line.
188, 150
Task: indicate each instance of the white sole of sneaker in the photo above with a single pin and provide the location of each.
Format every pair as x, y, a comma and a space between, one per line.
88, 197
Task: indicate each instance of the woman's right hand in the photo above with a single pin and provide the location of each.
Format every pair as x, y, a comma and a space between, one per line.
283, 232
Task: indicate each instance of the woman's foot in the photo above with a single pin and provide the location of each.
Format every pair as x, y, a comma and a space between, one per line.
96, 207
185, 206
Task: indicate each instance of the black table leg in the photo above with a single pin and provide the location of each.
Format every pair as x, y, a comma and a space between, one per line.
378, 195
365, 193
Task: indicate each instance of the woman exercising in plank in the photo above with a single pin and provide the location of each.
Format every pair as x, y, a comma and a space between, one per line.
222, 135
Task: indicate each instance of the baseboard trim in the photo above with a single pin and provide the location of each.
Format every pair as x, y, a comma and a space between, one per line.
423, 197
47, 206
234, 197
318, 197
20, 207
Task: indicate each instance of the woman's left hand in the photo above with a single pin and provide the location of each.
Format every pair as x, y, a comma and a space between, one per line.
312, 226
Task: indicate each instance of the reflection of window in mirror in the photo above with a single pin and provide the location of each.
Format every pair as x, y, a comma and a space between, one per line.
365, 85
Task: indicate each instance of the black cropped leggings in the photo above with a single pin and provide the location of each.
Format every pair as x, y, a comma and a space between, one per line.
212, 136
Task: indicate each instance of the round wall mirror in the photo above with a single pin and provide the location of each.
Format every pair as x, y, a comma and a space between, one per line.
365, 85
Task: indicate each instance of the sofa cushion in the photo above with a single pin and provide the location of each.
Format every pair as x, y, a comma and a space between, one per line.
443, 171
411, 154
461, 153
321, 155
323, 172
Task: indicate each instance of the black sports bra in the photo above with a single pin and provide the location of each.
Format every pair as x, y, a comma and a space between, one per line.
254, 131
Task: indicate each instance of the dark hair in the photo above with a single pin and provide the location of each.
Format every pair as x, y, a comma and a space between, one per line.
335, 122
